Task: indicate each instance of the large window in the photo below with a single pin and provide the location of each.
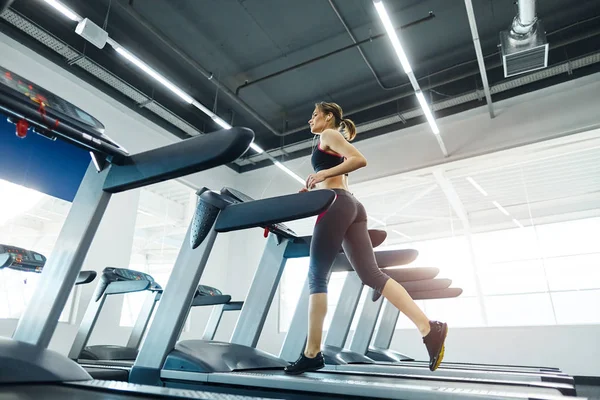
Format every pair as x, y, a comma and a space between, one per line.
31, 220
164, 213
518, 232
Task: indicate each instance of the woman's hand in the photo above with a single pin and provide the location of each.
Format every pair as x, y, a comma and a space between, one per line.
303, 190
313, 179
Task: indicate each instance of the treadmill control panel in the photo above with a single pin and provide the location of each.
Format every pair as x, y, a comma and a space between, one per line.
21, 259
47, 99
277, 228
124, 274
111, 275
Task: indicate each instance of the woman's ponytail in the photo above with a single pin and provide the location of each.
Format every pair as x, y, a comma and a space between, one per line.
349, 129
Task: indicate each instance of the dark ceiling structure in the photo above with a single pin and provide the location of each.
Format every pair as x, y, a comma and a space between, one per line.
264, 63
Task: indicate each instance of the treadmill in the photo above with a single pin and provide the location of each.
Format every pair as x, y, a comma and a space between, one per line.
28, 369
21, 259
237, 366
107, 361
113, 362
354, 359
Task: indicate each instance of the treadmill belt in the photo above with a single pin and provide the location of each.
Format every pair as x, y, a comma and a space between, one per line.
357, 385
108, 374
372, 380
106, 390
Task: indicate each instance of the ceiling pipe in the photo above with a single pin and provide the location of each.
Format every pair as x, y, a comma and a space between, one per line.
194, 64
479, 52
523, 23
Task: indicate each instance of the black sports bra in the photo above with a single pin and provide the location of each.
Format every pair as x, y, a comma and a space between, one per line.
322, 159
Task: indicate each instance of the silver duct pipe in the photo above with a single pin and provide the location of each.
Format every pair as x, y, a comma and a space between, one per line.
523, 23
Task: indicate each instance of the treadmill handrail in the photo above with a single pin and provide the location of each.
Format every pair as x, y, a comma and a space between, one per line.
301, 247
421, 284
436, 294
385, 259
86, 277
200, 301
121, 287
272, 210
179, 159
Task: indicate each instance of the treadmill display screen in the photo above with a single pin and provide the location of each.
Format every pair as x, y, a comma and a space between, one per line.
22, 259
43, 97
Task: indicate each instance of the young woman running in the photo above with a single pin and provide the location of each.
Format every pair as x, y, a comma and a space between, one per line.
344, 225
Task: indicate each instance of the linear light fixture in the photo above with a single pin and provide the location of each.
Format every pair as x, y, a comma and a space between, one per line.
389, 28
64, 10
499, 207
377, 220
401, 234
427, 112
476, 185
256, 148
289, 172
150, 71
520, 225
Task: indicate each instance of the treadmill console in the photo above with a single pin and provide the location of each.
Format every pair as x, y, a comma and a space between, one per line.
21, 259
204, 290
111, 275
14, 83
28, 105
278, 228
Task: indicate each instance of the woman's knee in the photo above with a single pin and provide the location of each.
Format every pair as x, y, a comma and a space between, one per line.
374, 279
317, 282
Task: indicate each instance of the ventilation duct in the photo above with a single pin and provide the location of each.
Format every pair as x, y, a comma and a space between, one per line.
524, 47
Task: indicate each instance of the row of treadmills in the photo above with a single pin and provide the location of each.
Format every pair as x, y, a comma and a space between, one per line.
156, 363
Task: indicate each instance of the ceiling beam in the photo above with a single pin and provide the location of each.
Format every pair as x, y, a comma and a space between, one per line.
480, 60
460, 210
453, 198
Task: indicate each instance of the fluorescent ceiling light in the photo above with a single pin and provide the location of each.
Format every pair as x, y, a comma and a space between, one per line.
64, 10
427, 112
476, 185
38, 216
377, 220
401, 234
256, 148
500, 207
220, 121
145, 213
144, 67
391, 32
520, 225
289, 172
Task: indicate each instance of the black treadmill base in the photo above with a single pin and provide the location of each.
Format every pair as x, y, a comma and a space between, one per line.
259, 392
64, 392
108, 374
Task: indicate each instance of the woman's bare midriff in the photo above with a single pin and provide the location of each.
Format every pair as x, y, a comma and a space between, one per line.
335, 182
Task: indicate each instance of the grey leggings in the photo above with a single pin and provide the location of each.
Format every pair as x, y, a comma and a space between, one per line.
343, 225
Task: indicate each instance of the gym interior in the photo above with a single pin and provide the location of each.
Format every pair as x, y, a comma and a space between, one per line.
480, 123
